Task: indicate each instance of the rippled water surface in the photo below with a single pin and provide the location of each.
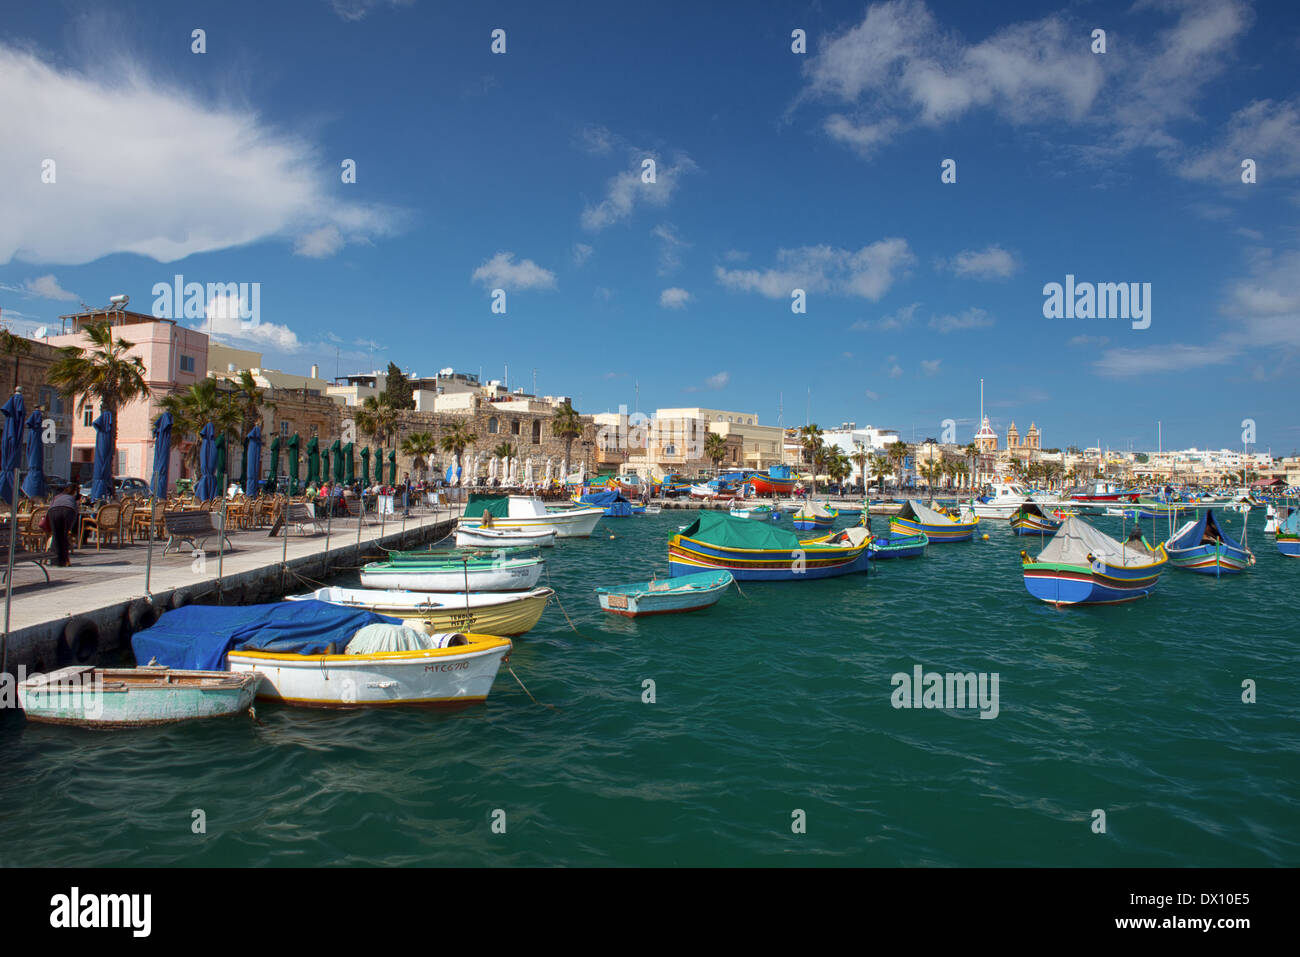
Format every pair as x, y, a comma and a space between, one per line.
775, 700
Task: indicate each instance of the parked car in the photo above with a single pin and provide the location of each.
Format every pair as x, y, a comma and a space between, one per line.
121, 486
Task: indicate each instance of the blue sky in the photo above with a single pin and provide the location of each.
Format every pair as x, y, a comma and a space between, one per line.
774, 171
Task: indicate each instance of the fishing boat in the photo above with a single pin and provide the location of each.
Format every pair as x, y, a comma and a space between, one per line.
716, 490
683, 593
759, 513
613, 503
1288, 531
653, 509
490, 613
1102, 492
761, 551
849, 511
813, 516
488, 537
1030, 519
1082, 566
941, 527
1147, 508
529, 513
1002, 500
501, 573
109, 698
899, 546
1202, 546
315, 654
778, 480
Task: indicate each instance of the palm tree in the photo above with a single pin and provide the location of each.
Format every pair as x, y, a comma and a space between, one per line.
16, 346
930, 472
377, 418
880, 467
193, 408
837, 465
420, 446
898, 453
972, 454
715, 448
810, 440
104, 372
250, 400
566, 424
859, 458
456, 438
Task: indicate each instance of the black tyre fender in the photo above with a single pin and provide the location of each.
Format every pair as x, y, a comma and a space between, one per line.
80, 642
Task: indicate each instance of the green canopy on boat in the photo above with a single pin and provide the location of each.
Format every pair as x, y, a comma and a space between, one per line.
498, 506
718, 528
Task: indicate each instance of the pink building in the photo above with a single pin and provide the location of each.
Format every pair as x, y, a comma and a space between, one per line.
174, 358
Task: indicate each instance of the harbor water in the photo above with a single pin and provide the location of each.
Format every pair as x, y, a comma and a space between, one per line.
761, 731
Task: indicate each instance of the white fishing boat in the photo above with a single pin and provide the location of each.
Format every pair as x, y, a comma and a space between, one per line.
503, 573
528, 513
1005, 500
468, 536
109, 698
488, 613
448, 678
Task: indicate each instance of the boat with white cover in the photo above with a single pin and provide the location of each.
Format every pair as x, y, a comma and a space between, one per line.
528, 513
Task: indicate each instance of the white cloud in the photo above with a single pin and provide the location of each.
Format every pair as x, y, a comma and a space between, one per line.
625, 190
1265, 131
713, 383
319, 243
358, 9
930, 366
224, 324
900, 68
670, 248
895, 371
47, 287
992, 262
867, 273
674, 298
581, 253
1155, 359
972, 318
166, 176
1088, 341
898, 319
501, 271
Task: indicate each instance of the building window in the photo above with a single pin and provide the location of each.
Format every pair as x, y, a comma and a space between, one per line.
537, 431
493, 425
87, 416
187, 363
514, 427
284, 427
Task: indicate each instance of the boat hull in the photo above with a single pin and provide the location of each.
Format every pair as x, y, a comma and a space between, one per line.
443, 678
1033, 525
1289, 547
1211, 559
142, 697
899, 546
689, 556
409, 576
492, 613
1100, 584
504, 538
638, 601
565, 523
943, 534
767, 485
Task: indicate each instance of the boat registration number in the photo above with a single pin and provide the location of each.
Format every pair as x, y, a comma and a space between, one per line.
618, 601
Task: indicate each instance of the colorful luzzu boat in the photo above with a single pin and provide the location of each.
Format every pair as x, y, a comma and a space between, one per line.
899, 546
813, 517
1030, 519
914, 518
1288, 531
759, 551
1201, 546
777, 481
1082, 566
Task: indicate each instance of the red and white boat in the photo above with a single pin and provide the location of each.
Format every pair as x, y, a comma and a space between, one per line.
1103, 491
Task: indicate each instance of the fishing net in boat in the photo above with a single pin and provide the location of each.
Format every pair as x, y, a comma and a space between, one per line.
375, 639
1077, 540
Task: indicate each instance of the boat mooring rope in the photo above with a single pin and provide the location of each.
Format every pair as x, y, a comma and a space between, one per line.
560, 603
529, 693
741, 593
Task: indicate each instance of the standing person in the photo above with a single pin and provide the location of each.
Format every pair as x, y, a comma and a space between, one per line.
63, 518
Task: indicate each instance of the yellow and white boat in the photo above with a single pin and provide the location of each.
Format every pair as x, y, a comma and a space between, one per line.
448, 678
491, 613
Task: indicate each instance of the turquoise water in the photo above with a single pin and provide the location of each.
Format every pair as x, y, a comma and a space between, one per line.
775, 700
